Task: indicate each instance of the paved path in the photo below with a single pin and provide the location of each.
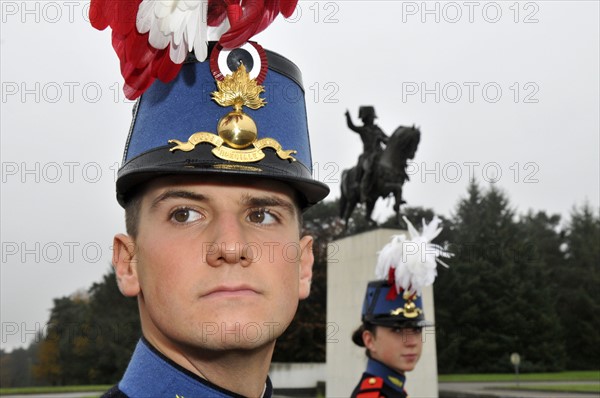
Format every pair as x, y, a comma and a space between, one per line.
494, 390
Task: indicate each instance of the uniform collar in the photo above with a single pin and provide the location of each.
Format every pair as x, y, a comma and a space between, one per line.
150, 373
392, 378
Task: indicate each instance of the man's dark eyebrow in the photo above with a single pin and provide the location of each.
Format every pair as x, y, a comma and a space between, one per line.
181, 194
268, 201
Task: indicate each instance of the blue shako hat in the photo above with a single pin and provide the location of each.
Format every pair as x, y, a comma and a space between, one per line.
401, 311
404, 267
202, 122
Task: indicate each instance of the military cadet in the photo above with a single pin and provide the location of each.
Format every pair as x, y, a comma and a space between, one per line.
392, 314
214, 181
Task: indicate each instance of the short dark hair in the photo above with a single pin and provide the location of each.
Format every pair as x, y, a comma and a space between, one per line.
133, 206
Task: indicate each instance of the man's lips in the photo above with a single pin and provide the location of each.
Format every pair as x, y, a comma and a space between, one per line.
231, 291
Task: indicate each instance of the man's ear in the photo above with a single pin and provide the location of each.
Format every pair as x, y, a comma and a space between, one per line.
306, 264
125, 263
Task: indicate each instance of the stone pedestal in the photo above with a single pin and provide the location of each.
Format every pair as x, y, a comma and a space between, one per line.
351, 266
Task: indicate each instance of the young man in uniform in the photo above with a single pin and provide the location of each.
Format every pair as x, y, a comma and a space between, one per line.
213, 182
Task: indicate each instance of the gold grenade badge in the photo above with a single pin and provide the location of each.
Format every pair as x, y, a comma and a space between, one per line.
410, 309
236, 130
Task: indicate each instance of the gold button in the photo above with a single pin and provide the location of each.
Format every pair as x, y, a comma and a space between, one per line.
372, 380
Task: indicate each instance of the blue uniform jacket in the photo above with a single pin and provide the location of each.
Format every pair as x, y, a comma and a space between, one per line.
379, 381
151, 374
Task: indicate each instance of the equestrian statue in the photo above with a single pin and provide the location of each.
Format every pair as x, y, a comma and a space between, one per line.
380, 171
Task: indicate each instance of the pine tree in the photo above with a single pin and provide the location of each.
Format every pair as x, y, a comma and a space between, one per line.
16, 367
542, 255
494, 300
578, 294
454, 290
116, 329
58, 360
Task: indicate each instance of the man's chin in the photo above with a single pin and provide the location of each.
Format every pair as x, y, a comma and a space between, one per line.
229, 347
230, 334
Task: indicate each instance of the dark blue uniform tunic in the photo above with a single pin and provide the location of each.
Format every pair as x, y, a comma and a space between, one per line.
379, 381
151, 374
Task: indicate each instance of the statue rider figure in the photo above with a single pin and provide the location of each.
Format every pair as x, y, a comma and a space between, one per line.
372, 137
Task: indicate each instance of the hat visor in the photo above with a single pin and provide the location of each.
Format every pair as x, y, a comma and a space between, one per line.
160, 162
400, 323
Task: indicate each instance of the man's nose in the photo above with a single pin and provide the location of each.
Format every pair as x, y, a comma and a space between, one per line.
229, 244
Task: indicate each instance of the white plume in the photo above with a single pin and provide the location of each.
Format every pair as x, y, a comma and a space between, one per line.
414, 260
178, 23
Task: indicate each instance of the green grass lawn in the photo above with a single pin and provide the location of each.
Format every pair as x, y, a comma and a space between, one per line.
44, 390
591, 375
583, 387
585, 377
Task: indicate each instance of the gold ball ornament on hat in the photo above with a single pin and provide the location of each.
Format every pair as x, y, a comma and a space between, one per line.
236, 128
411, 310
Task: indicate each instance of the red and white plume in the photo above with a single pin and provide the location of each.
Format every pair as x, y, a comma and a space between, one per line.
153, 37
411, 262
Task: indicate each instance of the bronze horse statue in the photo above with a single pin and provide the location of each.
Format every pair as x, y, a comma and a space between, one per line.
389, 174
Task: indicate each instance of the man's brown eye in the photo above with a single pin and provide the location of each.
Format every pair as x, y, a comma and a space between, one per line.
181, 215
257, 216
262, 216
184, 216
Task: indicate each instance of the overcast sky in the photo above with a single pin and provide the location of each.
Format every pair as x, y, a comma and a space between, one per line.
501, 90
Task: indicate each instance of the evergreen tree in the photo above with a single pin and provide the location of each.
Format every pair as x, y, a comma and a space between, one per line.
16, 367
60, 354
454, 291
494, 300
578, 295
116, 330
542, 255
